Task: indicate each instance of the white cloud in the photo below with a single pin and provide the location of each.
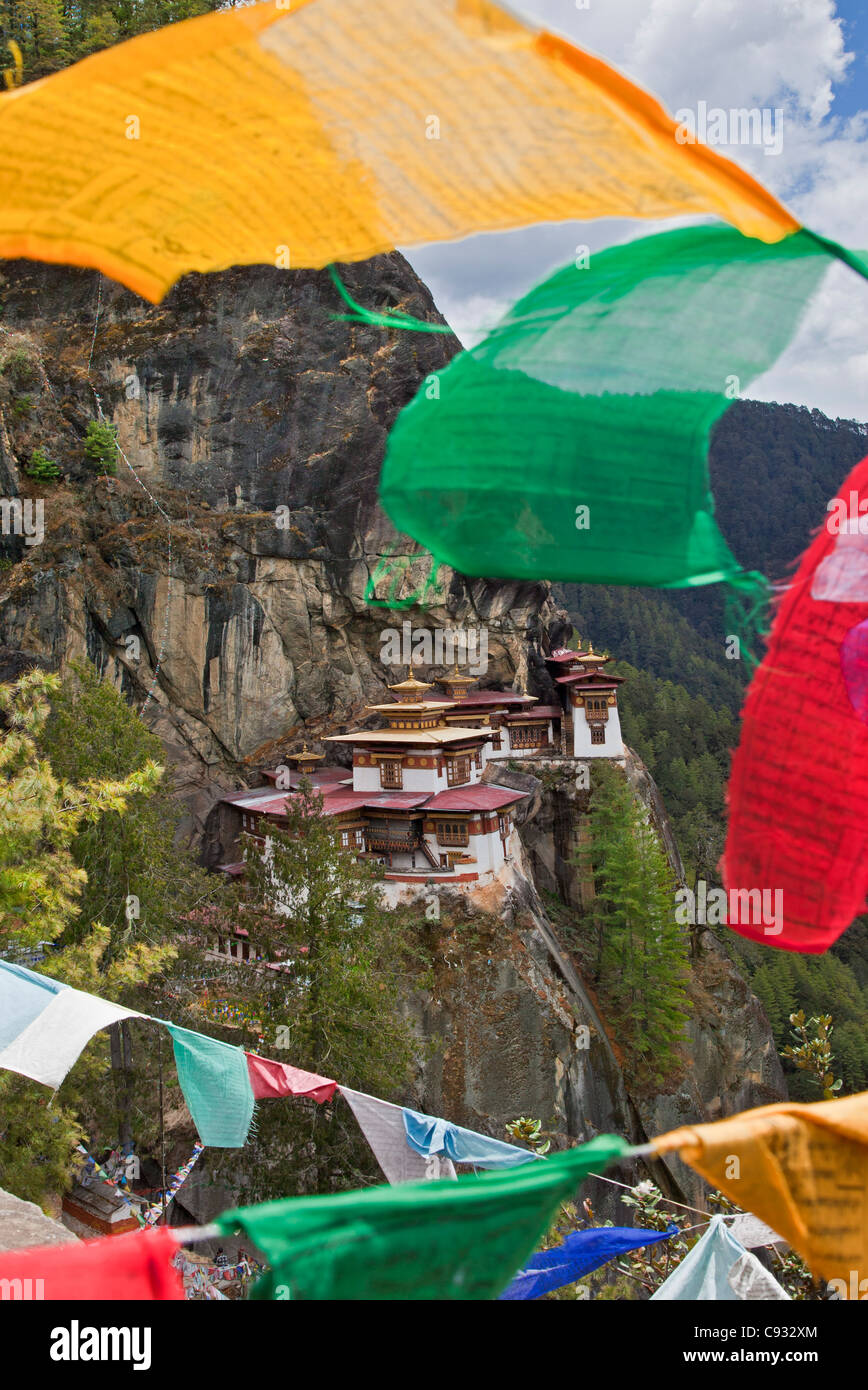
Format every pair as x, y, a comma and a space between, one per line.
826, 365
787, 54
726, 52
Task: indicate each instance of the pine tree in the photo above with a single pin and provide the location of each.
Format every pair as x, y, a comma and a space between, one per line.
641, 950
41, 815
336, 1007
40, 890
139, 883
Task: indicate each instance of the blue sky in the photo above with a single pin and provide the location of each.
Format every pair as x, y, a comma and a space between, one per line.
806, 58
851, 92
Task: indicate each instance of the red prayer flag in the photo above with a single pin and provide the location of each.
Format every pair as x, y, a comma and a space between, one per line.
270, 1079
798, 793
132, 1267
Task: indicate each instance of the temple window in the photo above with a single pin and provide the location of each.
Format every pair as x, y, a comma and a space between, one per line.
527, 736
391, 773
457, 771
452, 832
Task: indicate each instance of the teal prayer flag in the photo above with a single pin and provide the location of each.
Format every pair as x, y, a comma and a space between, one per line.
216, 1086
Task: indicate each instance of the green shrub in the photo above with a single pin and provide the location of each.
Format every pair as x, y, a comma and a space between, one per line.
20, 366
41, 467
100, 446
21, 407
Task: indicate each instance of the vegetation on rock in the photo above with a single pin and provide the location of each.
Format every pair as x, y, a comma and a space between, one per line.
41, 467
631, 945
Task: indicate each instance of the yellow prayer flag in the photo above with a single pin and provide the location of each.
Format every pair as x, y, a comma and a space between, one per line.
802, 1168
310, 131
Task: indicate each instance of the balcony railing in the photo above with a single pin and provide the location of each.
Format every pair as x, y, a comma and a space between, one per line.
392, 844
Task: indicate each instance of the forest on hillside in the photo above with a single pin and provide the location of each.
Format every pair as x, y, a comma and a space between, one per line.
51, 34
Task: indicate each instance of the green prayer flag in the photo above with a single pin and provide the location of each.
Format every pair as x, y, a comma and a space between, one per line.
572, 441
423, 1240
216, 1085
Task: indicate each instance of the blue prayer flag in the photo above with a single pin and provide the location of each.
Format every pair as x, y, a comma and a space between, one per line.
581, 1253
428, 1135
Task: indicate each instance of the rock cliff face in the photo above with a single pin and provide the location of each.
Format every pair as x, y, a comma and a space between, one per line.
222, 576
524, 1032
230, 578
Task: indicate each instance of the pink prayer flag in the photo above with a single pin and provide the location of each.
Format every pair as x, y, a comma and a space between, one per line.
271, 1079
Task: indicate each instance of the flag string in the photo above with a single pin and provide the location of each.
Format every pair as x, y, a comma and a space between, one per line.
668, 1200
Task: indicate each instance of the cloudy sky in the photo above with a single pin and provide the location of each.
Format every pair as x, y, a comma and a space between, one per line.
809, 58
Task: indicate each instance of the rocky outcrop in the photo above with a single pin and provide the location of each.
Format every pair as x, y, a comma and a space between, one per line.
232, 578
522, 1030
733, 1064
24, 1225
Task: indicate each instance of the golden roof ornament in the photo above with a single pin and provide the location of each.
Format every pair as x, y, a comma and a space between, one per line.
592, 658
306, 756
411, 688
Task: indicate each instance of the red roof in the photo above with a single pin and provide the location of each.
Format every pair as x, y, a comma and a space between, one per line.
263, 802
490, 697
395, 801
598, 679
536, 712
251, 794
340, 801
337, 800
473, 799
563, 654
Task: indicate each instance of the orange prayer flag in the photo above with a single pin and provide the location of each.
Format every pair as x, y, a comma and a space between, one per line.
801, 1168
335, 130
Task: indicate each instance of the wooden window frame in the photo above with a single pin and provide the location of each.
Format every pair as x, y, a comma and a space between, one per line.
453, 834
454, 763
395, 779
598, 734
528, 736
